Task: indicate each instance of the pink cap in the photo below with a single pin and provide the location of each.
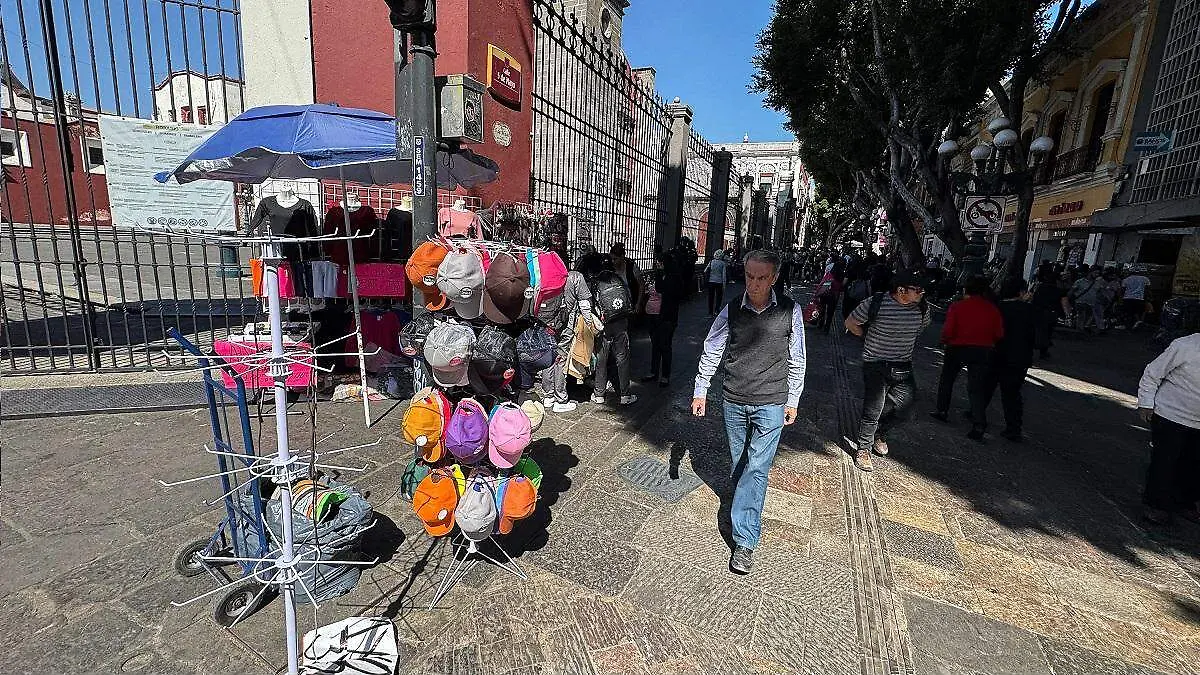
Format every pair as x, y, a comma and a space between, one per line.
552, 276
509, 434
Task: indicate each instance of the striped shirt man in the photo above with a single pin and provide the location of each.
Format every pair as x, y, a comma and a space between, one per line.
892, 333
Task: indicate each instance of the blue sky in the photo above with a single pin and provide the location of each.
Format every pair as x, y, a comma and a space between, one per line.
702, 50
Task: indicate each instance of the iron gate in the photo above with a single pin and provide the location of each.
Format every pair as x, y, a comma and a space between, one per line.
79, 292
599, 137
697, 190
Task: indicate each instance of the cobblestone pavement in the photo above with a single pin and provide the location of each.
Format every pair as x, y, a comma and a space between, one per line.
951, 558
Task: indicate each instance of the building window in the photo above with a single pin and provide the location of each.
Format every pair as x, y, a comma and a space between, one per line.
14, 148
185, 113
93, 155
201, 114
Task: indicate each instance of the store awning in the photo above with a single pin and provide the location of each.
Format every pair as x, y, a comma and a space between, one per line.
1173, 213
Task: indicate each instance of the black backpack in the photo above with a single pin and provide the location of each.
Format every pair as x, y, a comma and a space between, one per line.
610, 297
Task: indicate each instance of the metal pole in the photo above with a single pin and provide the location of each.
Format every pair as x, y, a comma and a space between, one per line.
279, 371
425, 138
352, 282
424, 107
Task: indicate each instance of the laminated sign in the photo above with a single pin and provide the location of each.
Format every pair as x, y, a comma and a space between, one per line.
135, 150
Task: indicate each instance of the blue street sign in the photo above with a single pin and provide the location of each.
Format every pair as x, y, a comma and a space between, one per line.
1154, 141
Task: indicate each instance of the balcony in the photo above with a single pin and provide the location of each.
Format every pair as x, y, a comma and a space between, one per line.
1080, 160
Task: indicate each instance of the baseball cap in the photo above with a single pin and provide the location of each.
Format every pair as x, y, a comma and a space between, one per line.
520, 500
467, 433
425, 421
422, 270
552, 277
909, 278
536, 412
448, 353
493, 361
412, 337
535, 352
313, 499
506, 290
476, 511
460, 279
414, 473
530, 469
460, 478
509, 434
434, 502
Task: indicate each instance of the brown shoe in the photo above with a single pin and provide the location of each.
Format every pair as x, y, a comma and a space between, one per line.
862, 459
880, 447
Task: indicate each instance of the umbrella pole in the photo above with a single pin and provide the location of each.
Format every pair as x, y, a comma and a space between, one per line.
352, 282
279, 371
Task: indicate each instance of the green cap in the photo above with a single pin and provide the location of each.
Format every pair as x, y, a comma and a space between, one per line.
529, 468
414, 473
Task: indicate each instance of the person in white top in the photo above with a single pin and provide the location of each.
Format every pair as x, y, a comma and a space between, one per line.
1133, 298
1169, 399
718, 276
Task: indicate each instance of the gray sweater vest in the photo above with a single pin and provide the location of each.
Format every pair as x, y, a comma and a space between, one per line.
756, 355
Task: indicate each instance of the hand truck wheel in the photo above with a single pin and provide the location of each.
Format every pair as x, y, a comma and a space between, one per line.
240, 602
187, 559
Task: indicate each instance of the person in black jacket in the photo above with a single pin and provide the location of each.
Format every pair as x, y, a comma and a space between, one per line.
669, 288
1013, 354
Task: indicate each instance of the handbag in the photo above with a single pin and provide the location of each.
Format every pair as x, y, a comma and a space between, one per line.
812, 312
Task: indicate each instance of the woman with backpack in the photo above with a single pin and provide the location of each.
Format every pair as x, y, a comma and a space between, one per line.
613, 303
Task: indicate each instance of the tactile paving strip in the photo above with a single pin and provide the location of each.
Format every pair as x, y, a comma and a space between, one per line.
26, 403
653, 476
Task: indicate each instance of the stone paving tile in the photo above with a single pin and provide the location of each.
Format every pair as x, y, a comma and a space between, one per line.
83, 644
779, 630
788, 507
948, 639
672, 534
919, 513
599, 622
922, 545
935, 583
506, 655
1135, 644
789, 479
578, 554
717, 654
611, 517
619, 660
1070, 659
565, 651
658, 641
831, 636
694, 597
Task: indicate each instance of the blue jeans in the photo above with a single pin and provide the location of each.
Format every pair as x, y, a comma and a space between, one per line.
761, 425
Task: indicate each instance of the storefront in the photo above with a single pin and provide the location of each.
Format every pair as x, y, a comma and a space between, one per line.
1060, 225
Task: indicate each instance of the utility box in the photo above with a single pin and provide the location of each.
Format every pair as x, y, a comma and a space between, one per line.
460, 101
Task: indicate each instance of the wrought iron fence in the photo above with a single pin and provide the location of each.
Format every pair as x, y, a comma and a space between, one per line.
599, 137
697, 190
735, 218
79, 291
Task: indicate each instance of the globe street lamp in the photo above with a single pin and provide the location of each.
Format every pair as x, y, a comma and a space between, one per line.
994, 176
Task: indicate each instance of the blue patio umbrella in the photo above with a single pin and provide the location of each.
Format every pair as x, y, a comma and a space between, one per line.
318, 141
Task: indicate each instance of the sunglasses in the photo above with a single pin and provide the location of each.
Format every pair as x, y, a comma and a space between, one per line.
912, 289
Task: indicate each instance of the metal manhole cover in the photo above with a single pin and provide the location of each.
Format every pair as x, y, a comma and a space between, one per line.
651, 475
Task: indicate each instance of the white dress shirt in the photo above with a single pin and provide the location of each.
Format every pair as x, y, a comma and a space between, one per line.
1171, 383
718, 337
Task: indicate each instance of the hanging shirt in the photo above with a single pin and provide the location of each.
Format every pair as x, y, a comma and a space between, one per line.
362, 221
295, 220
455, 223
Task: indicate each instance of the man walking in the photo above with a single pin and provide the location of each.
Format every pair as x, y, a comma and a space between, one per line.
718, 277
1133, 299
889, 324
972, 329
761, 337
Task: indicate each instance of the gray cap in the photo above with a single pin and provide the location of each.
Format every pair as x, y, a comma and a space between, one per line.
476, 511
460, 279
448, 352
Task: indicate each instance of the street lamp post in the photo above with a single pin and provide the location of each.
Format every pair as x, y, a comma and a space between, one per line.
994, 176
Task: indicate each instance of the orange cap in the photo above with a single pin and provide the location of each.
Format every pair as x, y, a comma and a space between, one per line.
422, 270
424, 423
520, 499
434, 501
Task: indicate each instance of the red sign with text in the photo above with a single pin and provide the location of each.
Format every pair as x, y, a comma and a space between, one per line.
504, 76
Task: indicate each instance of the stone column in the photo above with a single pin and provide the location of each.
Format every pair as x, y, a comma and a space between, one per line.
670, 228
718, 203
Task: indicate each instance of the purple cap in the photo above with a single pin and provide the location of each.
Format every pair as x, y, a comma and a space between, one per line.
466, 436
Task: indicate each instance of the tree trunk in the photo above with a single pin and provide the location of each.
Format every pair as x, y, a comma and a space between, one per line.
951, 235
908, 245
1015, 265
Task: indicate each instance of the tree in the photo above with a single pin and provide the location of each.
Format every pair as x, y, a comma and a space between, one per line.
876, 85
1043, 36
